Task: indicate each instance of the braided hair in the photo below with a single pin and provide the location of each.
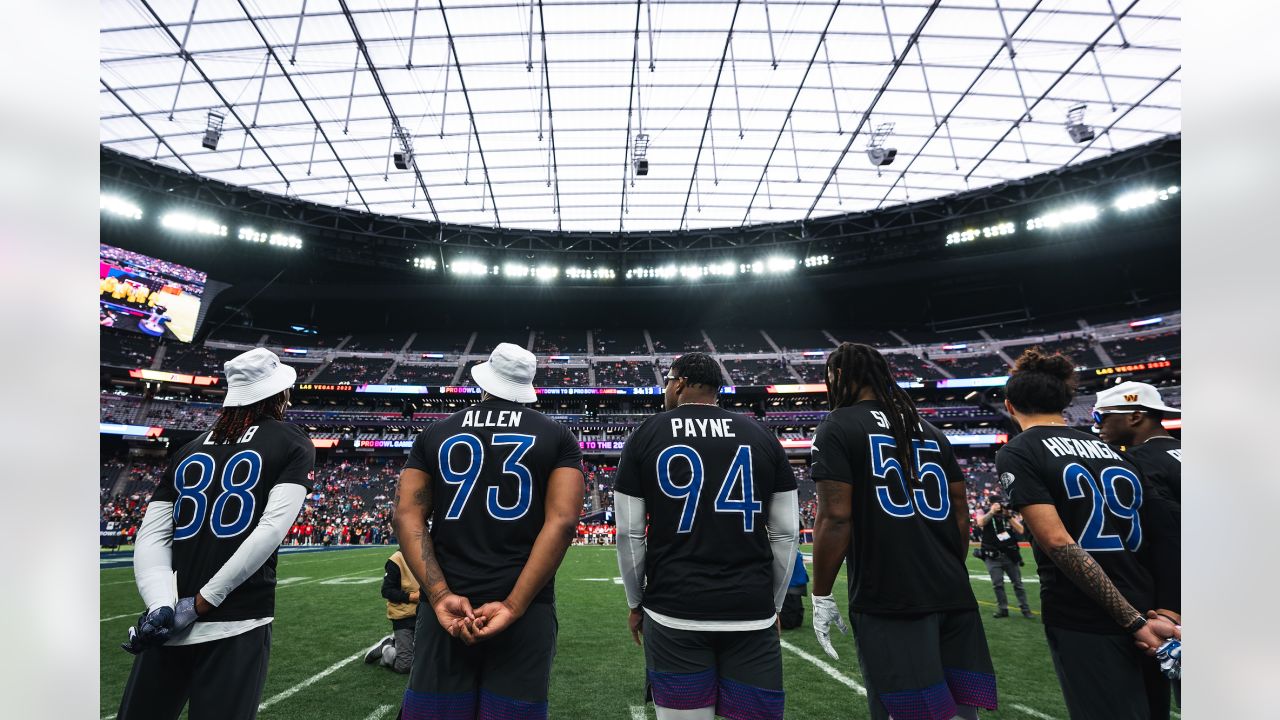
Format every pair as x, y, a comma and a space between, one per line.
233, 421
856, 366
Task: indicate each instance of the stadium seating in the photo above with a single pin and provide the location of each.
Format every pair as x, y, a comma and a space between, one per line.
1147, 347
974, 366
440, 341
354, 371
728, 340
128, 350
422, 374
1079, 349
384, 342
560, 343
798, 339
626, 373
561, 376
620, 342
759, 372
677, 341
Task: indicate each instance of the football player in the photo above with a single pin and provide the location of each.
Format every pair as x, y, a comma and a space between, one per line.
891, 498
1129, 415
707, 582
502, 487
215, 521
1103, 545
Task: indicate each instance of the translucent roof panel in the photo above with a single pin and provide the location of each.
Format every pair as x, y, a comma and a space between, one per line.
529, 114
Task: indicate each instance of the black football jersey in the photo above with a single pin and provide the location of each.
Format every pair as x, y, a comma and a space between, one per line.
905, 552
1160, 460
707, 477
489, 465
1099, 496
219, 492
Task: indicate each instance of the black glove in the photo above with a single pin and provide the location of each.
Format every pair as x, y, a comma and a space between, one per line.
152, 630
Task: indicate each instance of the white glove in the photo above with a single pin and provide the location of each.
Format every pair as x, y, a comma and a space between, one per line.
825, 612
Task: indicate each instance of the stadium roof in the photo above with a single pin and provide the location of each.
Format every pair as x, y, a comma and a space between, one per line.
755, 112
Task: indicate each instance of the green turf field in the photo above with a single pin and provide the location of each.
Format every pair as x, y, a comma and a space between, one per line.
328, 612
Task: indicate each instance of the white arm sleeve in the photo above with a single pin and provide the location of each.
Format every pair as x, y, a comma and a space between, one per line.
283, 503
630, 515
153, 557
783, 526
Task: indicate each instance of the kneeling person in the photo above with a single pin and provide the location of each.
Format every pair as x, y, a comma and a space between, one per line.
401, 591
706, 584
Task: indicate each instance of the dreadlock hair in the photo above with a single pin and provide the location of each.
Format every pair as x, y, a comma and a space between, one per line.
1041, 383
233, 421
698, 368
858, 366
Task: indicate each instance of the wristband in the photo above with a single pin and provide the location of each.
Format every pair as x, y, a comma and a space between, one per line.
1133, 627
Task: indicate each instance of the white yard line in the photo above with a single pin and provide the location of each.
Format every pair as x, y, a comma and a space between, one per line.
286, 694
637, 713
117, 617
1033, 713
117, 582
316, 580
824, 667
988, 578
379, 712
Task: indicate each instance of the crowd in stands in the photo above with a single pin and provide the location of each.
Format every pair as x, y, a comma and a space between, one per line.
354, 371
1142, 349
625, 373
674, 342
190, 280
759, 372
120, 348
620, 342
738, 341
117, 409
184, 415
560, 343
385, 342
422, 374
974, 366
562, 376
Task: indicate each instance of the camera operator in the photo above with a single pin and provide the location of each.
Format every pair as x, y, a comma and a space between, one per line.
1001, 554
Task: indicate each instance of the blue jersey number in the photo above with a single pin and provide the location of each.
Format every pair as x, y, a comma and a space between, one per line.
739, 475
1104, 498
466, 478
194, 493
884, 464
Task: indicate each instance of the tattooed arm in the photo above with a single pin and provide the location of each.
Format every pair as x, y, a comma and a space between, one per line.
1046, 526
413, 504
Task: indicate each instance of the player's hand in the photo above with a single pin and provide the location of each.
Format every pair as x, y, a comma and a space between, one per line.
1151, 636
185, 614
153, 629
415, 596
451, 610
635, 621
825, 613
203, 607
492, 618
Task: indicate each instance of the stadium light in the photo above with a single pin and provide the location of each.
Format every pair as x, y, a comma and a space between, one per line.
278, 239
425, 263
120, 206
1143, 198
471, 268
515, 270
990, 231
182, 222
817, 260
1067, 216
600, 273
547, 273
780, 264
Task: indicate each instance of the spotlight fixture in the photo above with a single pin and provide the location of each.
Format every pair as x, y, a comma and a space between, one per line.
639, 161
213, 130
877, 153
403, 158
1076, 127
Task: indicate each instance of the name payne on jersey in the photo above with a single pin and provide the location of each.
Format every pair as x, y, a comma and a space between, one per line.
505, 418
701, 427
1095, 449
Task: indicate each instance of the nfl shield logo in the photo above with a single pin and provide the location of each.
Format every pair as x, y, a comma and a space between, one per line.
1006, 479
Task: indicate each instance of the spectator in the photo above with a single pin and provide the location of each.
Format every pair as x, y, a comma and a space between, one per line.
400, 588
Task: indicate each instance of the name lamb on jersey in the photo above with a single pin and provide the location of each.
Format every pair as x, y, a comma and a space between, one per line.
699, 427
1095, 449
491, 418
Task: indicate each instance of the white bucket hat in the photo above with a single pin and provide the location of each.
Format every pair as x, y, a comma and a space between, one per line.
1131, 394
255, 375
508, 374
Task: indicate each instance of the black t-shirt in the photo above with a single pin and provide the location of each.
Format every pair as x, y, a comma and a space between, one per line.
1160, 460
1099, 496
219, 493
489, 465
905, 552
707, 477
996, 526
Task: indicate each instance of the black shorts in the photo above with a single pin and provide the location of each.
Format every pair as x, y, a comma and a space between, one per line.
921, 667
737, 673
222, 679
506, 676
1104, 677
